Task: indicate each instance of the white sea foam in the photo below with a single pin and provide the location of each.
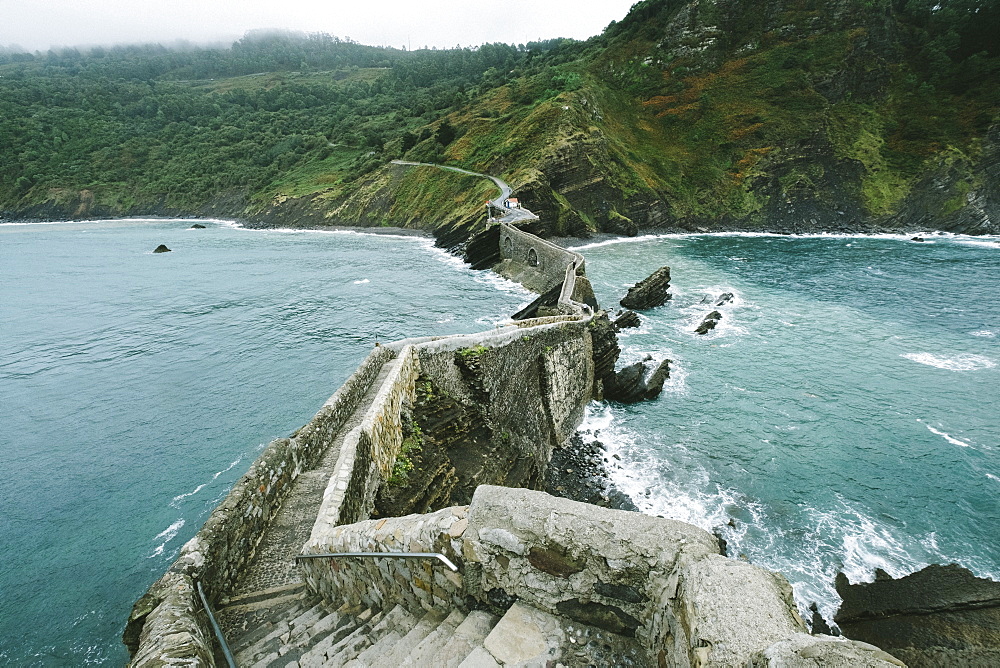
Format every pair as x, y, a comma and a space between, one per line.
992, 477
167, 535
984, 333
180, 497
949, 438
957, 363
808, 547
362, 281
619, 240
215, 476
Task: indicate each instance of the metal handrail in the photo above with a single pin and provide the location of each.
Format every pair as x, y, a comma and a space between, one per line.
215, 627
402, 555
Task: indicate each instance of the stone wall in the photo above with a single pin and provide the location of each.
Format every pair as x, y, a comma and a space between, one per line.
380, 583
221, 550
537, 264
661, 581
369, 450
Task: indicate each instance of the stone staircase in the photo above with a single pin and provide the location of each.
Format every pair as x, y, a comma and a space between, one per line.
290, 628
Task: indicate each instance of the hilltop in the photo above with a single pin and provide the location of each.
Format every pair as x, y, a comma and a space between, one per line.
787, 115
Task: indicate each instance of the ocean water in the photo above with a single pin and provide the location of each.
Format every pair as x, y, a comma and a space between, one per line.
136, 388
845, 413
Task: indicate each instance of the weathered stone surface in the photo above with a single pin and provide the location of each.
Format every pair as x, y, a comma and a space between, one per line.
603, 616
804, 651
649, 292
709, 323
733, 610
553, 561
618, 549
161, 249
941, 615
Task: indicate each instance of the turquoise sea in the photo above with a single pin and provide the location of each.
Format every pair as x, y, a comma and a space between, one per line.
845, 414
135, 389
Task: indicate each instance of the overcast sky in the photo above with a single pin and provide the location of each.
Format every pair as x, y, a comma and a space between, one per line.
40, 24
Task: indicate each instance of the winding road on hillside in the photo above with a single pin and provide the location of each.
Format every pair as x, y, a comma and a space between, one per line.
510, 215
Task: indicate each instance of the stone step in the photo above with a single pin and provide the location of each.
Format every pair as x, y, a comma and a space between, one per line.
321, 652
423, 653
278, 615
271, 594
469, 635
353, 644
316, 654
279, 636
385, 635
413, 637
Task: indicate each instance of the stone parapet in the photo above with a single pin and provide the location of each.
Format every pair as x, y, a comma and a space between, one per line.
380, 583
369, 450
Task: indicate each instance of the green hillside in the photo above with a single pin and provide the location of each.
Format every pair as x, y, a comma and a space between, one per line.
787, 115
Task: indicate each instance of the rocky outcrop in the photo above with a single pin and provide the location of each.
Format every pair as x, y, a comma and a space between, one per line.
709, 323
161, 249
938, 616
626, 320
631, 384
649, 292
483, 250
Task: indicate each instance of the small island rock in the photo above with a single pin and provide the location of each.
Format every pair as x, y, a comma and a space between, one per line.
197, 226
709, 323
626, 320
161, 249
650, 292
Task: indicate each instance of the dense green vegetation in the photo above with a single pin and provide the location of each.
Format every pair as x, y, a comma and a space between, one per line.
678, 115
145, 125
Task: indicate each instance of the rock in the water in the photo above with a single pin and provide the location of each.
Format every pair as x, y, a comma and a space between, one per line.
197, 226
939, 616
650, 292
545, 300
654, 384
709, 323
161, 249
818, 624
483, 250
630, 385
917, 239
725, 298
626, 320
